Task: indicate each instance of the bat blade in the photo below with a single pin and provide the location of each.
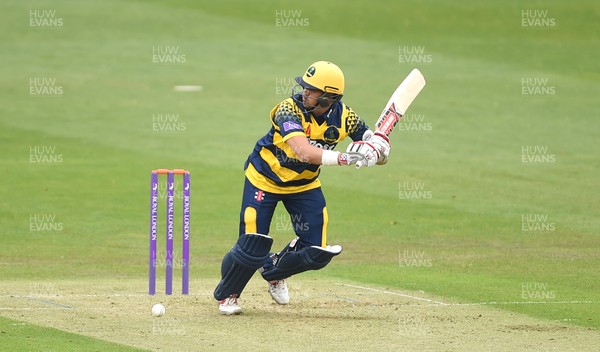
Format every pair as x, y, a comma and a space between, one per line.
399, 102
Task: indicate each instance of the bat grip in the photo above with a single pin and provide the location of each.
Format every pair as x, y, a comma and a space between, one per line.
359, 164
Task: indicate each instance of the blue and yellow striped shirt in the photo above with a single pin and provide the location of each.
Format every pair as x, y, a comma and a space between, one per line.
274, 167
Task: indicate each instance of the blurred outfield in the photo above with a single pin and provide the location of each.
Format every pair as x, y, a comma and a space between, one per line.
76, 164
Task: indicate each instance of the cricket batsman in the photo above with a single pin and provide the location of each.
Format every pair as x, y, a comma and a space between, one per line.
284, 166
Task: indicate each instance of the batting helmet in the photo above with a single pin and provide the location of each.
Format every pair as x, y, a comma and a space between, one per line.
324, 76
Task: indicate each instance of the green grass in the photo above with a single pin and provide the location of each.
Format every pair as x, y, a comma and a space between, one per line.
18, 336
470, 161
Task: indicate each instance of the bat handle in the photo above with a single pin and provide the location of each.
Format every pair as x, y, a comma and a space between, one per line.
359, 164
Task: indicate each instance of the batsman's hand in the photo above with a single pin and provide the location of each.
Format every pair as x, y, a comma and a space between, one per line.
381, 142
366, 153
349, 158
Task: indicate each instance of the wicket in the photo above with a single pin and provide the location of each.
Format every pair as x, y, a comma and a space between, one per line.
185, 257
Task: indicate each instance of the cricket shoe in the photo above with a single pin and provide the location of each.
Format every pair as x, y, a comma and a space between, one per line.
229, 306
279, 291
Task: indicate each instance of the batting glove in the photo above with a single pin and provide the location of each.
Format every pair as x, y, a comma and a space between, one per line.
366, 152
382, 143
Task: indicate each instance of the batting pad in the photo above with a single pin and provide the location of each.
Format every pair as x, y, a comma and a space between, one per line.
249, 253
294, 262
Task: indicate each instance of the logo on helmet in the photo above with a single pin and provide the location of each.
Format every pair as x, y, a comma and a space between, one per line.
311, 71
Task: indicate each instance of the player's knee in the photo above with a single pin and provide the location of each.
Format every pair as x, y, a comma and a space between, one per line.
251, 250
249, 253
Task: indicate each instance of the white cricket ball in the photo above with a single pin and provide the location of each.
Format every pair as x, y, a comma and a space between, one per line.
158, 310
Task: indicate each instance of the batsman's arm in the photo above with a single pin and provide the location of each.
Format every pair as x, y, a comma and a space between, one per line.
304, 151
314, 155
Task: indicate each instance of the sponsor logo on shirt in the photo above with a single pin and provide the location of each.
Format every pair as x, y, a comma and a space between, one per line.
291, 125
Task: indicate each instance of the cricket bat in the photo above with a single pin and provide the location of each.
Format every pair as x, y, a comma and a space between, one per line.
399, 102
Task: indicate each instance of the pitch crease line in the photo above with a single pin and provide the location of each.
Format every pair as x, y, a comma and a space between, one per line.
396, 293
52, 303
521, 302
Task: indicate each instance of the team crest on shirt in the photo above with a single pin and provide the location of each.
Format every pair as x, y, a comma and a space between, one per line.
331, 135
259, 195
